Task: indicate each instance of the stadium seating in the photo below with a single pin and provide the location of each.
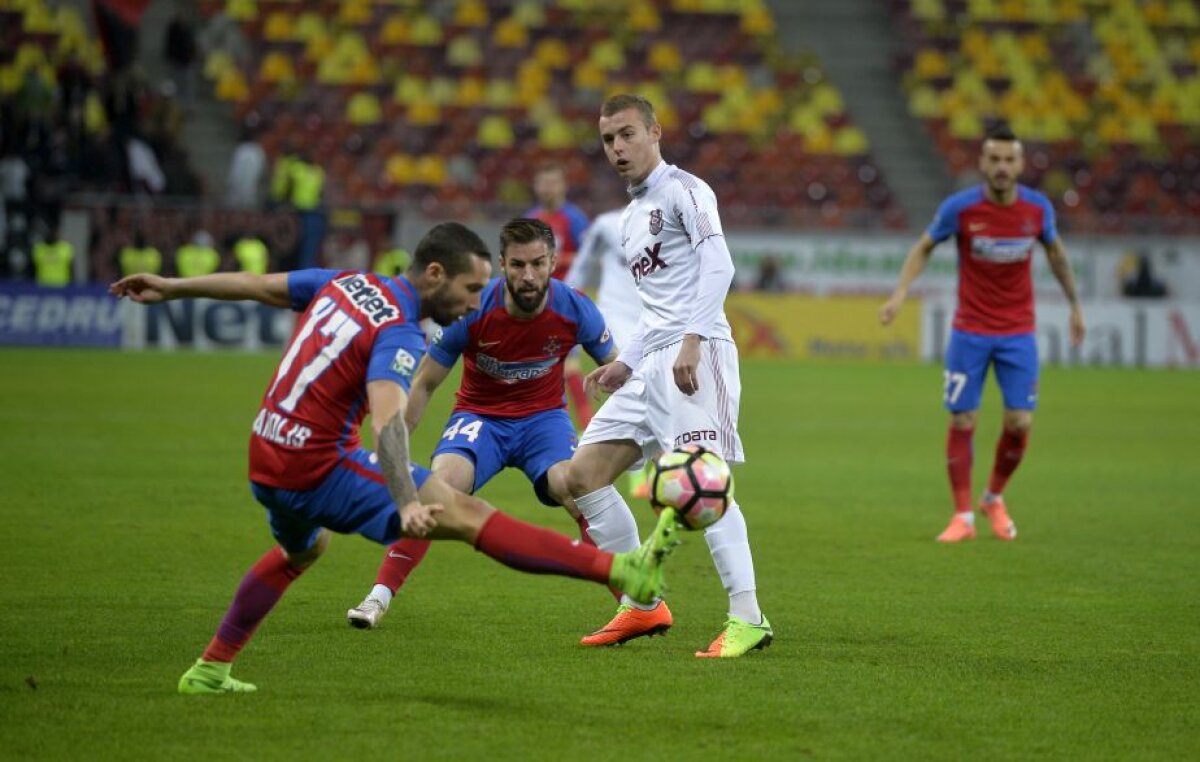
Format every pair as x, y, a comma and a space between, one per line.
451, 108
1105, 95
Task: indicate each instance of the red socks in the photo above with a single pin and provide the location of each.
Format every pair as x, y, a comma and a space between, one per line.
958, 465
402, 557
578, 397
535, 550
258, 593
1010, 448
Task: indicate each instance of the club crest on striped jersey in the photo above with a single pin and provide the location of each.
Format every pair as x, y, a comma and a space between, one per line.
656, 222
367, 298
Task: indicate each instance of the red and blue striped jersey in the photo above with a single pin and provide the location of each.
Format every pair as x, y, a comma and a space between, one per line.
569, 223
513, 367
355, 327
995, 250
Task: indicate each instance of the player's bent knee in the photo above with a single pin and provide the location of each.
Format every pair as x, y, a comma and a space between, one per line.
306, 558
1018, 420
463, 517
963, 420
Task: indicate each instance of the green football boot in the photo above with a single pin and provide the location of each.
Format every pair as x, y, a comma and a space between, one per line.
639, 573
206, 677
739, 637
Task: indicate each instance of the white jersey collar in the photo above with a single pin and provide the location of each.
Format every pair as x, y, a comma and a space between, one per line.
651, 179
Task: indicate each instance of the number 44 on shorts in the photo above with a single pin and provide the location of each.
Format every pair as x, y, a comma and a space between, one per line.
469, 430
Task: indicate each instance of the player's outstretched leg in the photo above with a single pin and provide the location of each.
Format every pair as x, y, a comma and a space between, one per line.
1010, 449
958, 468
399, 561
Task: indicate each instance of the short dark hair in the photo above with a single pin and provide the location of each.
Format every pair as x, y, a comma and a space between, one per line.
525, 230
619, 103
1001, 131
451, 245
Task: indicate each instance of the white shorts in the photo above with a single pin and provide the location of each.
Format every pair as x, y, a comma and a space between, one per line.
650, 410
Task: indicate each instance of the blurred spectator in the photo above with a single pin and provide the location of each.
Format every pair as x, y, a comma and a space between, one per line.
246, 171
252, 255
392, 262
14, 188
197, 257
307, 182
347, 251
145, 173
770, 275
1142, 283
180, 52
52, 261
139, 257
281, 174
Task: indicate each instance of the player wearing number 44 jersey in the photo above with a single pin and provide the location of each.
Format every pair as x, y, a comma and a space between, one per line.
355, 348
996, 227
676, 382
510, 410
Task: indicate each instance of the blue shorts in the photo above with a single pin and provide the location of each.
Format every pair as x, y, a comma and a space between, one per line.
533, 444
353, 499
1015, 357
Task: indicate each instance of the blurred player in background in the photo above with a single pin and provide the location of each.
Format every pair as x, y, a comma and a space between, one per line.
355, 348
510, 411
996, 226
616, 295
568, 223
677, 381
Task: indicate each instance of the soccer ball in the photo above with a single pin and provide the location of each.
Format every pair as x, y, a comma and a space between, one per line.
695, 482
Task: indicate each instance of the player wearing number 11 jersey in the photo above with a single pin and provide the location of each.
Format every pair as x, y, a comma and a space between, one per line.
354, 350
996, 226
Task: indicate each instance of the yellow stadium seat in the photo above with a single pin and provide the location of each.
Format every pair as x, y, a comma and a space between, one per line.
425, 31
424, 114
510, 33
471, 13
588, 75
851, 141
555, 133
552, 53
501, 94
276, 67
494, 132
395, 30
231, 86
400, 169
757, 22
241, 10
464, 51
643, 17
529, 13
965, 125
363, 109
929, 10
608, 55
431, 170
664, 57
471, 92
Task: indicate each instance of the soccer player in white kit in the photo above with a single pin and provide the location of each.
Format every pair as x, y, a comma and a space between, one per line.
601, 253
676, 379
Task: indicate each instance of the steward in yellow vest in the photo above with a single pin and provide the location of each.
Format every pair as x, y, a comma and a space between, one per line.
52, 262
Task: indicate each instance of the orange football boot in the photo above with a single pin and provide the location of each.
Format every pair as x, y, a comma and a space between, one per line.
957, 530
630, 623
1002, 526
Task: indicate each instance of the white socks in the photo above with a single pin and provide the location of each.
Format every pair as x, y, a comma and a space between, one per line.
610, 522
611, 526
381, 593
730, 547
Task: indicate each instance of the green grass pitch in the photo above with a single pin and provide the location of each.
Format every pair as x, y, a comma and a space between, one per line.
127, 523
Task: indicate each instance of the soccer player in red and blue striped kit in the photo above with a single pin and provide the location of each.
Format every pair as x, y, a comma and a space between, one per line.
995, 226
356, 345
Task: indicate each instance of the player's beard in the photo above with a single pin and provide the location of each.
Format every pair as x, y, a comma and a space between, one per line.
527, 301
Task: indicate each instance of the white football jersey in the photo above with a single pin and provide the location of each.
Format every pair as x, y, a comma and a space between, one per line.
670, 214
617, 295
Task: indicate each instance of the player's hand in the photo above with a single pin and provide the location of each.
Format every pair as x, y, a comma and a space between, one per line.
687, 365
1078, 328
144, 288
890, 309
606, 378
418, 519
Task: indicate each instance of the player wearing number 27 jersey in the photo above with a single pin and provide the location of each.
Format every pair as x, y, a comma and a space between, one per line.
996, 227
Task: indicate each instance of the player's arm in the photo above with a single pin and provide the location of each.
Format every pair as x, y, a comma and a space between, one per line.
579, 274
914, 265
146, 288
430, 376
1060, 265
388, 401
